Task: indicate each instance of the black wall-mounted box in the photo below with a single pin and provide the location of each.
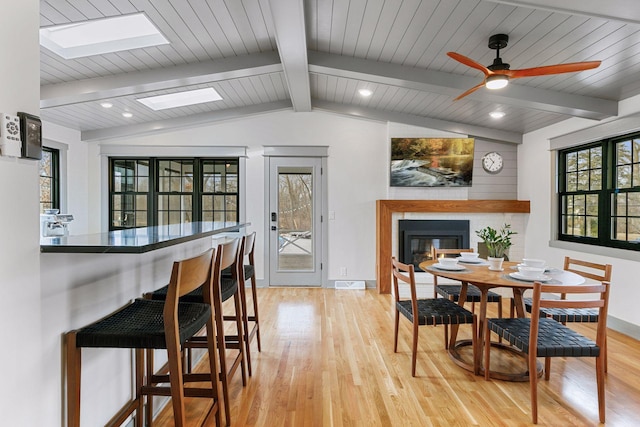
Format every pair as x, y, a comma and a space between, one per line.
31, 135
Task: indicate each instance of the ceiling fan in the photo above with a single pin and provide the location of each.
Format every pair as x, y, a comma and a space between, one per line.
498, 74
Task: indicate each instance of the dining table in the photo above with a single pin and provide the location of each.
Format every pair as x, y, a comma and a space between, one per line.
476, 272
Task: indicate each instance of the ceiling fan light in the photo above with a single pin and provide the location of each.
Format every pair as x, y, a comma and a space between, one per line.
496, 81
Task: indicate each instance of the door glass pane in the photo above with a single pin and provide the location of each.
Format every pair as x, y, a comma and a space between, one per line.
295, 219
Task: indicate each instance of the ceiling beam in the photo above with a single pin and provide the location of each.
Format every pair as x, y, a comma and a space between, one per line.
454, 84
287, 17
617, 10
159, 79
167, 125
444, 125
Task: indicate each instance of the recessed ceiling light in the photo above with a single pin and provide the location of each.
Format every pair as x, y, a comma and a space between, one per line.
127, 114
180, 99
496, 114
106, 104
365, 92
100, 36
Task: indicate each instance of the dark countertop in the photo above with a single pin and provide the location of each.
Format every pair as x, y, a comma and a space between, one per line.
137, 240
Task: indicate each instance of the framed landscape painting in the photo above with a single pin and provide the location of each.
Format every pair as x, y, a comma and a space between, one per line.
431, 162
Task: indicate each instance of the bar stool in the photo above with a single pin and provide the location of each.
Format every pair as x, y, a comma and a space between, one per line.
147, 325
247, 272
222, 289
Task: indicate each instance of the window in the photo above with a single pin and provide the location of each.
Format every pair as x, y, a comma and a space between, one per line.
599, 192
159, 191
49, 170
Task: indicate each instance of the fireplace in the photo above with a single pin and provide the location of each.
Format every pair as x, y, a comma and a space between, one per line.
417, 237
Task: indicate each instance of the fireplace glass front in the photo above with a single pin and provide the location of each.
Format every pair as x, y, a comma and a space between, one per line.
418, 237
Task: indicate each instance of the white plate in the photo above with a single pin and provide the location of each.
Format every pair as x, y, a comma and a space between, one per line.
470, 261
448, 267
517, 275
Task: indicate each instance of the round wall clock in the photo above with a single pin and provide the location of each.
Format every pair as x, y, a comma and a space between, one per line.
492, 162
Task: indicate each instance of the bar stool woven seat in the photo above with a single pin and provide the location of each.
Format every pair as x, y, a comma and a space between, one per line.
141, 325
228, 287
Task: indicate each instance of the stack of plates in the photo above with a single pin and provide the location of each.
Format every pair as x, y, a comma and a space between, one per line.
517, 275
453, 267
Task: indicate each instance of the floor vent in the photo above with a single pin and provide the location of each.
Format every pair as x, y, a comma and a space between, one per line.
355, 284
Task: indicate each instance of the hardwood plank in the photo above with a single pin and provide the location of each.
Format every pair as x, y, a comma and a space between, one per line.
328, 359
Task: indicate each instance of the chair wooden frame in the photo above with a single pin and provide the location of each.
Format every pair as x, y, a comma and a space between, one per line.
588, 270
531, 337
432, 311
186, 276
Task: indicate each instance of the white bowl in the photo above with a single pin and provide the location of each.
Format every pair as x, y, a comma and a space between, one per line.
469, 255
531, 272
531, 262
448, 261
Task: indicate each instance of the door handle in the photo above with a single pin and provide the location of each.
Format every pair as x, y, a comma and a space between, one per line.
273, 228
274, 217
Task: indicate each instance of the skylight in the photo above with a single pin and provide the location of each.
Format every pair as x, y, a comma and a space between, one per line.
180, 99
100, 36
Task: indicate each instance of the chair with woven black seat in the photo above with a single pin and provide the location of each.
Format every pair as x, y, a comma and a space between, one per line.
223, 288
540, 336
245, 273
147, 325
586, 269
453, 291
430, 311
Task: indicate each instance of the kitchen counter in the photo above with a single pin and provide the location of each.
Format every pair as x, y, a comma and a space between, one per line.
136, 240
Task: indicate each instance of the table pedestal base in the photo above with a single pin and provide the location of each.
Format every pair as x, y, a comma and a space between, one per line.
456, 356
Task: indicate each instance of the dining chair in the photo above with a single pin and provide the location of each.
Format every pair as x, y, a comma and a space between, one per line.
586, 269
145, 325
430, 311
541, 336
453, 291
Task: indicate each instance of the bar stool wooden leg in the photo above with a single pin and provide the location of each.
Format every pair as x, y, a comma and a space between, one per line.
245, 323
74, 360
255, 317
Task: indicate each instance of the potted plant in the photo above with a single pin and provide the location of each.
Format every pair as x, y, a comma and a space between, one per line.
497, 242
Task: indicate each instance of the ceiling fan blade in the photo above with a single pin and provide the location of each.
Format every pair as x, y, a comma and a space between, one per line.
470, 91
469, 62
552, 69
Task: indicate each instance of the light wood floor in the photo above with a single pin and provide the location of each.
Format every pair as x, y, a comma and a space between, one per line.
327, 360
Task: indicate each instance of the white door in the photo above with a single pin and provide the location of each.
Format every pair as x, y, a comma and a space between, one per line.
295, 221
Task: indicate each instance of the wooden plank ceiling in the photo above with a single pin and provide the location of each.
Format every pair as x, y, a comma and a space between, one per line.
267, 55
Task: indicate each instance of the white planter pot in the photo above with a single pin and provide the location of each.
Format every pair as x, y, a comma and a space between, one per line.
495, 264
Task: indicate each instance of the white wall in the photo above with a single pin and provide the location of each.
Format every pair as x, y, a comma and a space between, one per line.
357, 167
74, 167
537, 183
21, 359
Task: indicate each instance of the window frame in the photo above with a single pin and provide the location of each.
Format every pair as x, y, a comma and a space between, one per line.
154, 187
54, 178
606, 193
